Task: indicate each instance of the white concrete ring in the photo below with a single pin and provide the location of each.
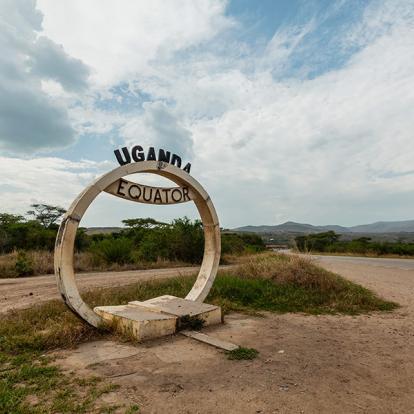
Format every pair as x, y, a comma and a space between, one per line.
65, 240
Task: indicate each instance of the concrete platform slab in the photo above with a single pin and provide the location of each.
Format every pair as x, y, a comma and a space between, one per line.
159, 316
138, 322
182, 308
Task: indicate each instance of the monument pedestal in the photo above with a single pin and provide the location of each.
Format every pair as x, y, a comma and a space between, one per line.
159, 316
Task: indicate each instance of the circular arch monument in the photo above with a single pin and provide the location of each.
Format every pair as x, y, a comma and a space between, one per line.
113, 183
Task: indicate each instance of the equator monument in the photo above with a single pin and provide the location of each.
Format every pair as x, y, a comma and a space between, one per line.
162, 315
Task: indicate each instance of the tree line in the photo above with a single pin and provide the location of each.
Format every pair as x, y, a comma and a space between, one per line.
142, 239
329, 242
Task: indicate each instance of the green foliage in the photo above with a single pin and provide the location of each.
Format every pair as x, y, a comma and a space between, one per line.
18, 234
143, 239
330, 242
23, 266
242, 353
186, 240
143, 223
182, 240
239, 243
113, 250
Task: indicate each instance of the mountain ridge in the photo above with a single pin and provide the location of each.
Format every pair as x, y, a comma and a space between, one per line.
406, 226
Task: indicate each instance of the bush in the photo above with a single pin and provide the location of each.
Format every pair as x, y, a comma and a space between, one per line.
183, 240
241, 243
23, 266
118, 250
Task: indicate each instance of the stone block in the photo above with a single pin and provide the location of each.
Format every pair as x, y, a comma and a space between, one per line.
138, 322
182, 309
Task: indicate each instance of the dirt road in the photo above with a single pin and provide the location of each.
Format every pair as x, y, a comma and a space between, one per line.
26, 291
307, 364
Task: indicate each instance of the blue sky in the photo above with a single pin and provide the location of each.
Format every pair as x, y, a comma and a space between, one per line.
288, 110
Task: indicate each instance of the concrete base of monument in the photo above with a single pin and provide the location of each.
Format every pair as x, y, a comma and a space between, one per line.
160, 316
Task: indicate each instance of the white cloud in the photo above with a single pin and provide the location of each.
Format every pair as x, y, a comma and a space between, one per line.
44, 180
120, 39
29, 118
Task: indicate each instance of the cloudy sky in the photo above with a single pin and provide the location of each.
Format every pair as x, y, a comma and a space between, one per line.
287, 109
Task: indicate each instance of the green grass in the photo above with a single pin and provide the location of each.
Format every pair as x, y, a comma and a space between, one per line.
29, 375
241, 353
273, 283
238, 294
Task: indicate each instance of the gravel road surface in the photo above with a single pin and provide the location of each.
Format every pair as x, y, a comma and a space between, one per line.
25, 291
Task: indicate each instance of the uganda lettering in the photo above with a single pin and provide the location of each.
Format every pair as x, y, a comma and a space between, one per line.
137, 154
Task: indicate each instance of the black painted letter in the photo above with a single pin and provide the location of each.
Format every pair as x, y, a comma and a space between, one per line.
176, 191
119, 156
185, 194
138, 194
176, 159
164, 156
137, 153
121, 186
151, 154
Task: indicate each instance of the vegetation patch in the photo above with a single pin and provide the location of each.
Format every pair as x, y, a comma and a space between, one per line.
241, 353
330, 242
29, 383
26, 244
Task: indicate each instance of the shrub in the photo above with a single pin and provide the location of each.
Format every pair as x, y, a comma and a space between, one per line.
241, 353
241, 243
23, 266
113, 250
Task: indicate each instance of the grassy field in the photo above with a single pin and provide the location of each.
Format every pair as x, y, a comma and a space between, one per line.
41, 263
29, 383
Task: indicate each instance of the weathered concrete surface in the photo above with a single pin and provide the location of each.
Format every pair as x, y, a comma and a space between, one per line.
138, 322
157, 317
179, 307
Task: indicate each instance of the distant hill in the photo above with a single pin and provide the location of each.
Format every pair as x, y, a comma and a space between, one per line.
292, 227
102, 230
385, 227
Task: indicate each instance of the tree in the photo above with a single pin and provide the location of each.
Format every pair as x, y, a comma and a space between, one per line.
144, 223
48, 216
317, 242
